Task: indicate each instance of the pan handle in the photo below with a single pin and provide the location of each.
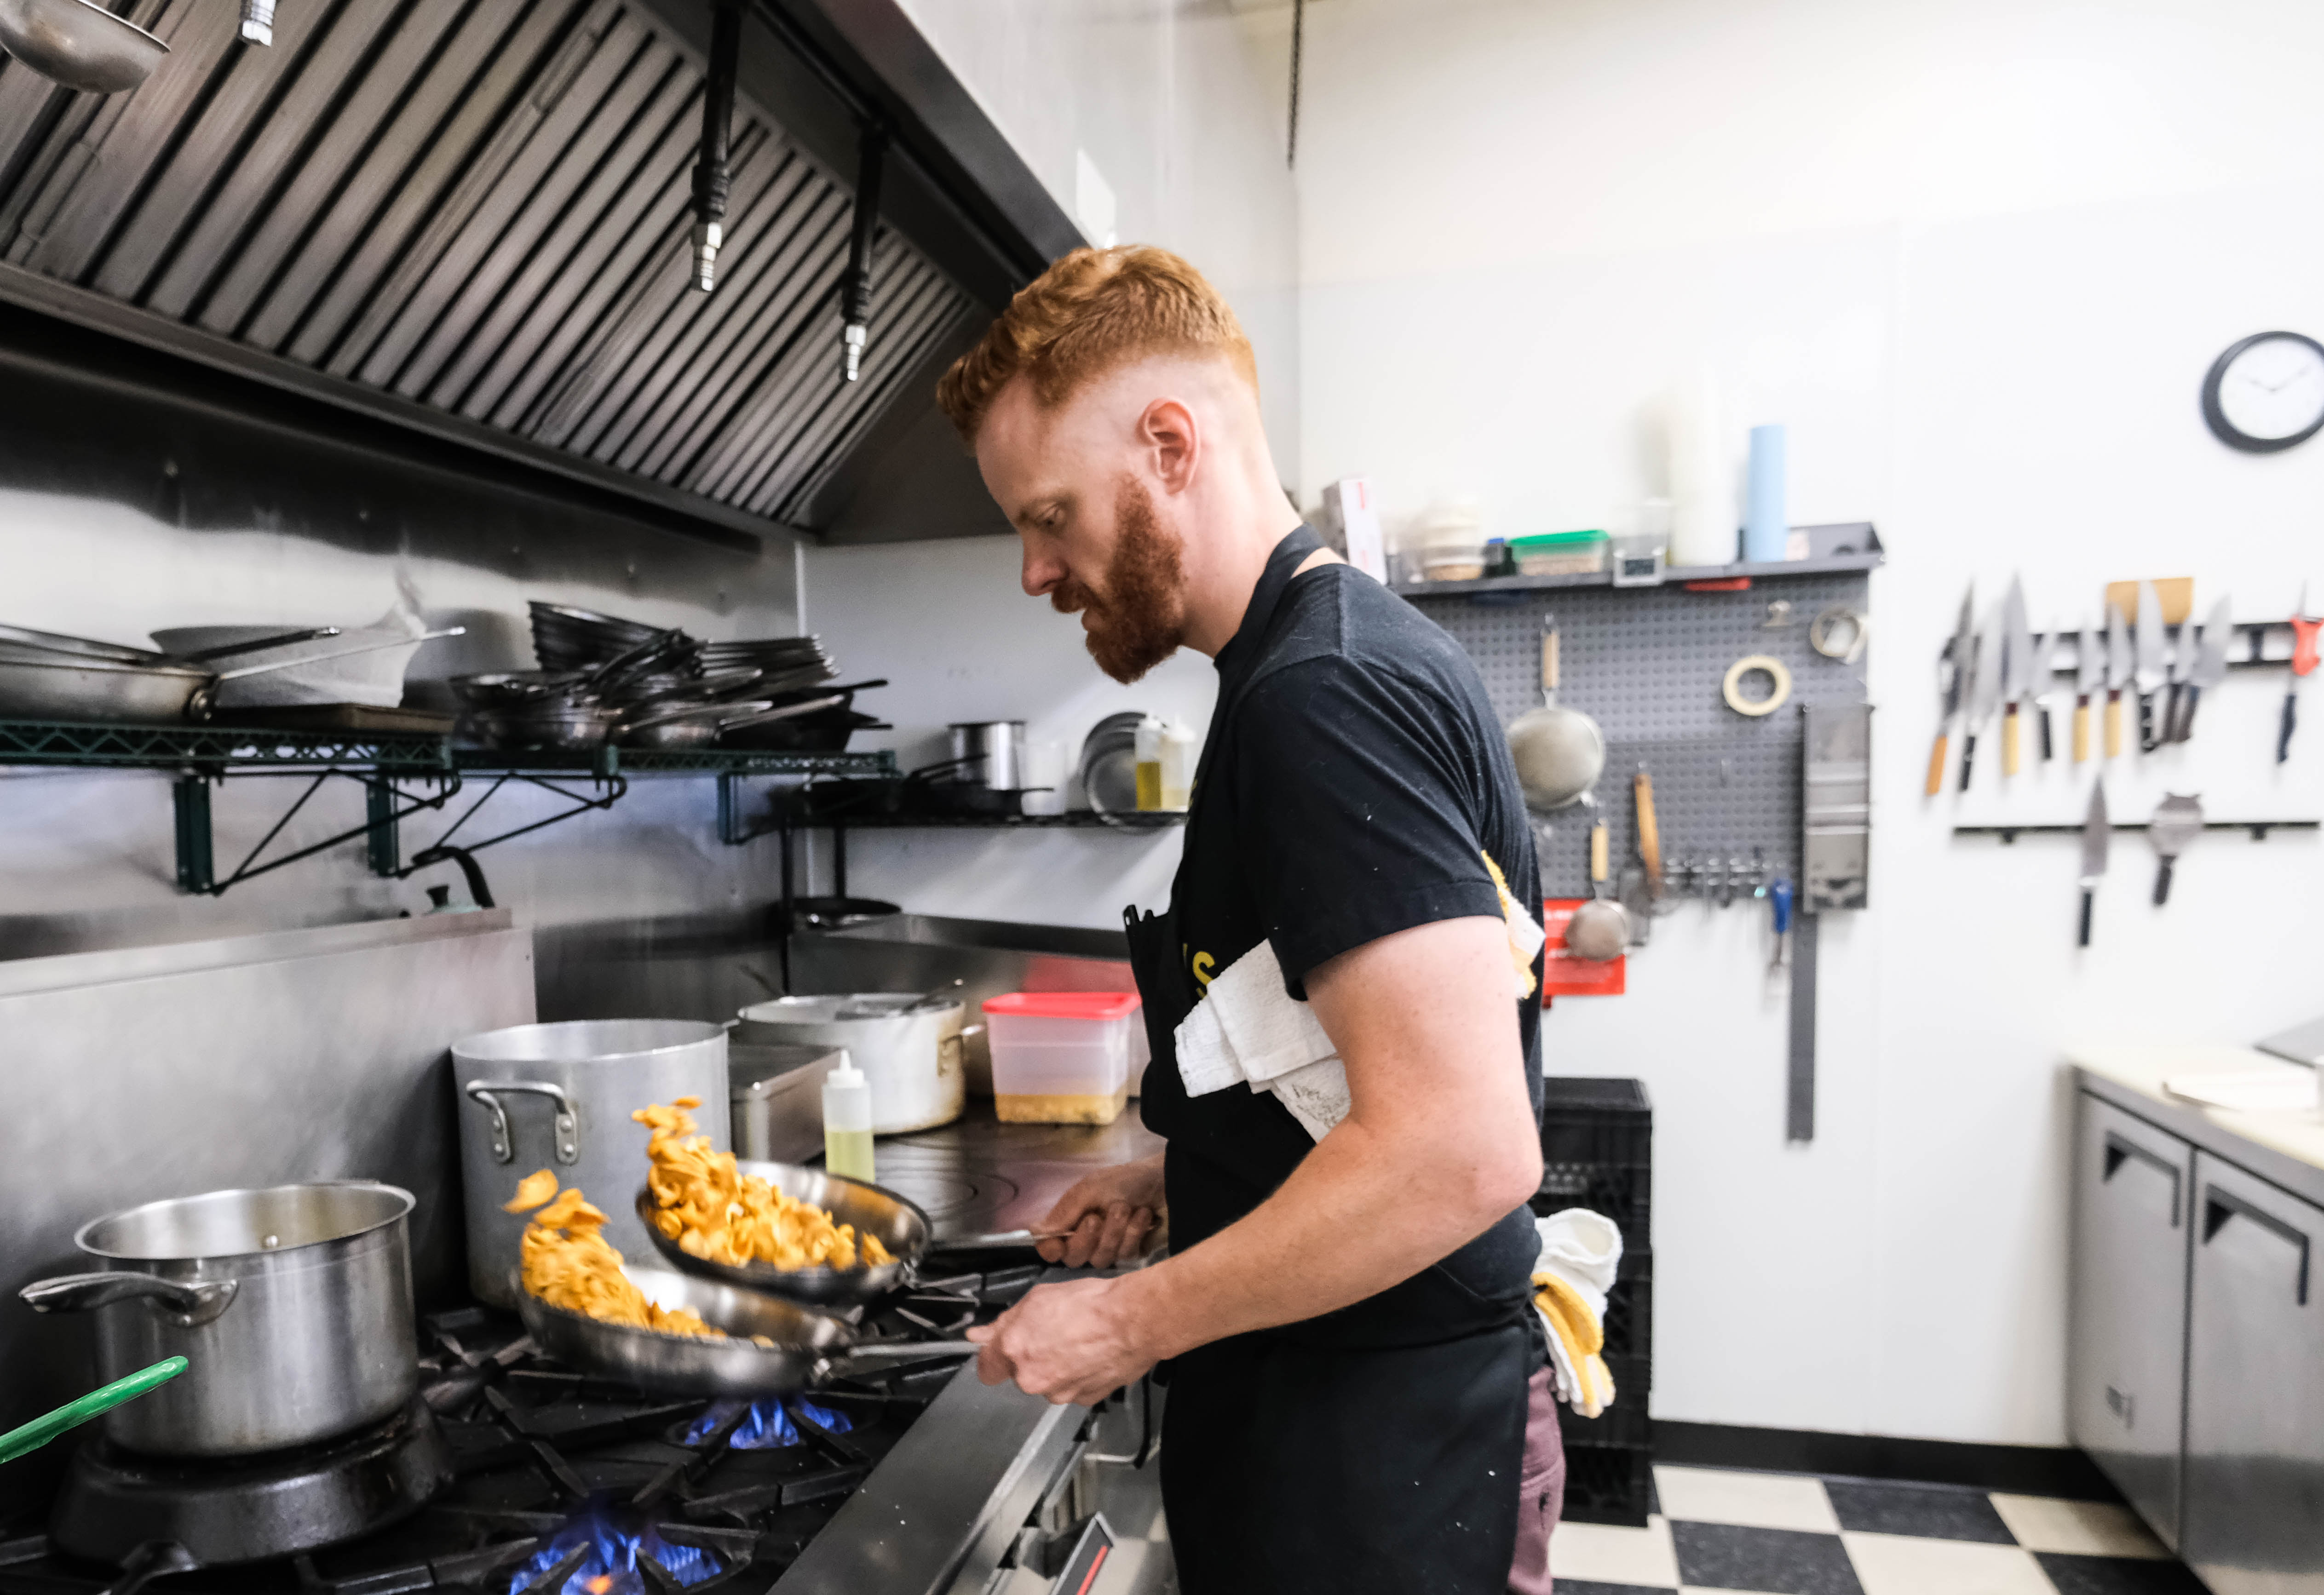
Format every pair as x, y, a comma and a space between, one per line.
193, 1302
995, 1241
568, 1128
887, 1351
204, 700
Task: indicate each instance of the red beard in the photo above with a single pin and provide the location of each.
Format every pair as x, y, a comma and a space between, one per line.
1142, 619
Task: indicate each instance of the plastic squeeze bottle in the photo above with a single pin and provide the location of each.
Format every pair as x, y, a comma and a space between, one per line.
1148, 756
847, 1121
1180, 750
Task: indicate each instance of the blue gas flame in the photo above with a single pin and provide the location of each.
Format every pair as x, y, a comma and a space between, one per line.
612, 1558
768, 1425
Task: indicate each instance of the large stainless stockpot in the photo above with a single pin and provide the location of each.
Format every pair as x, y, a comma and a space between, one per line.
291, 1305
909, 1047
559, 1097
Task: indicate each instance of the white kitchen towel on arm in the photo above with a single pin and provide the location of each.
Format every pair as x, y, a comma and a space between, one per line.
1248, 1030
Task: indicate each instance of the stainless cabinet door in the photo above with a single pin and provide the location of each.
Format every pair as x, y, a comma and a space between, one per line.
2128, 1307
2254, 1501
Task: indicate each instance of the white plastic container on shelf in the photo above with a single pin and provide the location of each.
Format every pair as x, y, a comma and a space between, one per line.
1064, 1057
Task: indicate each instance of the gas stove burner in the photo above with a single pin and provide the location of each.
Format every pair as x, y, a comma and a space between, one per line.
245, 1509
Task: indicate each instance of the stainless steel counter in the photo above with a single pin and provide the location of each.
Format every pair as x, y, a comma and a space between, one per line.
978, 1174
946, 1512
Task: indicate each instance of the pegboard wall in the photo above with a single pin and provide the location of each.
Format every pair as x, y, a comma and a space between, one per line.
1647, 663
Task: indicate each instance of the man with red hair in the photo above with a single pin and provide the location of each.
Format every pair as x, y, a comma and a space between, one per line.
1358, 1395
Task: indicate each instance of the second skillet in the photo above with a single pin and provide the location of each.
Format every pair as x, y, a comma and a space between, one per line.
896, 1222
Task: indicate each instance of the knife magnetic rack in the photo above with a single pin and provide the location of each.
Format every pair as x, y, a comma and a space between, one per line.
2063, 651
2258, 829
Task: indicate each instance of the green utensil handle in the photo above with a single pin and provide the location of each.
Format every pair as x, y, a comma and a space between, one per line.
16, 1442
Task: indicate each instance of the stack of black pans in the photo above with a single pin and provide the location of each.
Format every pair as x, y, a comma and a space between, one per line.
603, 677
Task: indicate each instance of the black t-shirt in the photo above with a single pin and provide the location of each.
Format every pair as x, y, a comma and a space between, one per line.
1354, 783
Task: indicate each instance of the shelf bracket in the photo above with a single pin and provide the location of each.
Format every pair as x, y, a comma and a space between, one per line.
610, 789
380, 817
189, 799
385, 807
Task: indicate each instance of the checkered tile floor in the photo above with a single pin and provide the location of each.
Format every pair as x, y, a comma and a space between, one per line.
1784, 1533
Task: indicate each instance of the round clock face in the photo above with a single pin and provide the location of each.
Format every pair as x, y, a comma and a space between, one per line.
2266, 392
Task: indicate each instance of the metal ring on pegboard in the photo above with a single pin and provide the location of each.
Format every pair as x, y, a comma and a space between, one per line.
1732, 689
1860, 633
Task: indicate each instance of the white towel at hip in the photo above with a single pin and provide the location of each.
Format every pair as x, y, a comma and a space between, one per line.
1248, 1030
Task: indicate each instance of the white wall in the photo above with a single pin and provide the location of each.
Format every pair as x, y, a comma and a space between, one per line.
1177, 105
1977, 257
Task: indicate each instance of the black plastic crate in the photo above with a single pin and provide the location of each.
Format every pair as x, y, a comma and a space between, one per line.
1630, 1308
1596, 1151
1623, 1423
1609, 1484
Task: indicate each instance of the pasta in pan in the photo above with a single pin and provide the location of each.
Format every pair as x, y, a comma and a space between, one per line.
567, 1263
714, 1212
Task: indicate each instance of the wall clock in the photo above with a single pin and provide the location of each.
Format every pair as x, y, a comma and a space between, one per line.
2266, 392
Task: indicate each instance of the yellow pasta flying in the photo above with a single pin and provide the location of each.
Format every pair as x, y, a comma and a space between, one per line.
532, 1191
717, 1213
568, 1263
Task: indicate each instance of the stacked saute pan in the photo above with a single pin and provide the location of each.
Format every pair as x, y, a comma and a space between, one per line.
603, 678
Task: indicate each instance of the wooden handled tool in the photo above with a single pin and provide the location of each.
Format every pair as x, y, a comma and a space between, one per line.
2082, 729
2009, 740
1650, 836
1598, 853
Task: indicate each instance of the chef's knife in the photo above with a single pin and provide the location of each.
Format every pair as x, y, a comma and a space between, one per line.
1953, 688
2154, 644
2210, 668
2097, 836
2089, 677
2118, 663
1984, 689
2017, 669
2182, 668
2045, 675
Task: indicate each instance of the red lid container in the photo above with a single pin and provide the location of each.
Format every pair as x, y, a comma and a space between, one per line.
1063, 1005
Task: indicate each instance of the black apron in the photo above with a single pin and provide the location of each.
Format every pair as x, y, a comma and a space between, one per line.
1376, 1449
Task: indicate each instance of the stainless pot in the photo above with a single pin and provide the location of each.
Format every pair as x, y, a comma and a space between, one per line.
989, 753
559, 1097
908, 1046
291, 1305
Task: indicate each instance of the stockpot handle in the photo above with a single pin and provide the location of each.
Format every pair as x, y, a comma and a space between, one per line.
192, 1302
568, 1127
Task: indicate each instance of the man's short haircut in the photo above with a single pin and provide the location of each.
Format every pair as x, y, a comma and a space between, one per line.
1091, 312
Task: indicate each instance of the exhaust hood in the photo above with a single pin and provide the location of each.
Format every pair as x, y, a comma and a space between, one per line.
474, 217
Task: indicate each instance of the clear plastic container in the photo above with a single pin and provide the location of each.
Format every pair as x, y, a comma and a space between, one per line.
1560, 553
1062, 1058
1447, 566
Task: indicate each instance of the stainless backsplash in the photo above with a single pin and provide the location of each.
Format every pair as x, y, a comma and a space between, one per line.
708, 967
147, 1072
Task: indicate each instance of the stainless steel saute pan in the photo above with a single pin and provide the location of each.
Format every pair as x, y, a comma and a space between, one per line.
40, 682
803, 1349
896, 1220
